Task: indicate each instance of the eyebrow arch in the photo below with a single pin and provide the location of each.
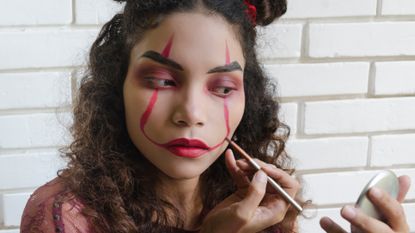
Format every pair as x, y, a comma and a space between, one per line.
155, 56
226, 68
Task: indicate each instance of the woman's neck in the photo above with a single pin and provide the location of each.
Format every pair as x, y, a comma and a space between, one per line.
185, 195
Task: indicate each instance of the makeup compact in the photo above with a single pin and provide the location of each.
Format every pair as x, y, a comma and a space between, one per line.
386, 181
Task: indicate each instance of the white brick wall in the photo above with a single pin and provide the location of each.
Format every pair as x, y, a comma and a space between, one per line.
50, 89
359, 116
332, 8
361, 39
44, 47
394, 78
398, 7
95, 11
296, 80
23, 12
345, 73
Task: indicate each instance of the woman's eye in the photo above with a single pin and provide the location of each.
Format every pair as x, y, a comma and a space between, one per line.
222, 91
160, 83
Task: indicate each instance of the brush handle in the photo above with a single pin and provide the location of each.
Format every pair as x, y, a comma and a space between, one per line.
277, 187
272, 182
284, 194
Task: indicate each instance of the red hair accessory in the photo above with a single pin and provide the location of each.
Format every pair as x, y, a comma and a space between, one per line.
251, 11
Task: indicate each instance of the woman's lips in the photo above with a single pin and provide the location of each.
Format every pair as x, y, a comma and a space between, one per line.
189, 148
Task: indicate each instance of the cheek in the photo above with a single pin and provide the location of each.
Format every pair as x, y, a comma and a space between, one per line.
135, 102
236, 106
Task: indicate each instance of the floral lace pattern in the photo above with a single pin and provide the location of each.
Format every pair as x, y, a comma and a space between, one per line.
49, 210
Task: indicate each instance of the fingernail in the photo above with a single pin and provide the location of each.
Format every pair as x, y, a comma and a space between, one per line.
261, 177
349, 212
375, 192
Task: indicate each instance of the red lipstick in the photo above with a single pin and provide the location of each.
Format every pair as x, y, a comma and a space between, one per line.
188, 148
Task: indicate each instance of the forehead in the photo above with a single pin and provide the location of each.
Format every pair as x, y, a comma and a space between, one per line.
195, 37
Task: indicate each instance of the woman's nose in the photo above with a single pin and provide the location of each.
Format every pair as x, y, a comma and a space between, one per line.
190, 110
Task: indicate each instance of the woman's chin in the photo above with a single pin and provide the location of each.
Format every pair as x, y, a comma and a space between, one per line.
182, 172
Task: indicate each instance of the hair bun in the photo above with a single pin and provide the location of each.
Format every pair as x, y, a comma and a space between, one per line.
269, 10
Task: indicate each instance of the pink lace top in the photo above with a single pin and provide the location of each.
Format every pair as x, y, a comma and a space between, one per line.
51, 208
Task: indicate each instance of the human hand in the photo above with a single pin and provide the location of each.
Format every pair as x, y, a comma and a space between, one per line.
255, 205
391, 209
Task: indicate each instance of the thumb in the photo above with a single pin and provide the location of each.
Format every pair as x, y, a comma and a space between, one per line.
255, 194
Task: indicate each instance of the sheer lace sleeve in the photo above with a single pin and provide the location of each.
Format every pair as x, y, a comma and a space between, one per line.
51, 208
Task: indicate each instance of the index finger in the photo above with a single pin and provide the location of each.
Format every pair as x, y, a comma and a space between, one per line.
284, 179
237, 174
404, 184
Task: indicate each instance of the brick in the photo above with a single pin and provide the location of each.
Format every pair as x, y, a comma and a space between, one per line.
279, 41
28, 170
10, 231
39, 12
288, 115
361, 39
311, 225
410, 215
332, 8
329, 153
44, 47
96, 11
390, 150
1, 212
339, 187
394, 78
358, 116
343, 187
298, 80
35, 90
34, 130
13, 204
398, 7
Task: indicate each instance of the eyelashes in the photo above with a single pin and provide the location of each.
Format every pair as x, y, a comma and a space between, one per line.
221, 86
159, 83
222, 91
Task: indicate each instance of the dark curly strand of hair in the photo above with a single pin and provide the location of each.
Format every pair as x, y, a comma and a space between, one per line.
108, 173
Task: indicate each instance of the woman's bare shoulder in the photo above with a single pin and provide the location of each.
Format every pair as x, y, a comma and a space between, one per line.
53, 208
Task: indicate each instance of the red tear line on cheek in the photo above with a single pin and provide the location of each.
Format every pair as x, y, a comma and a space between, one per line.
228, 129
228, 57
153, 99
226, 110
167, 48
147, 113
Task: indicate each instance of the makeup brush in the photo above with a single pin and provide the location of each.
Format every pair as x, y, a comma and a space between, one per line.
272, 182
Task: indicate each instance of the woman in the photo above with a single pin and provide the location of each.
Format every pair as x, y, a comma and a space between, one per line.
168, 82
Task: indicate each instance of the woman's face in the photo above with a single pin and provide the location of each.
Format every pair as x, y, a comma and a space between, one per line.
184, 93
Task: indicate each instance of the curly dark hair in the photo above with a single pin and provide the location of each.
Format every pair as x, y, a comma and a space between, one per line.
109, 174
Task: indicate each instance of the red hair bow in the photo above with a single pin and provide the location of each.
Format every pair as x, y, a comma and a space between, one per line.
251, 11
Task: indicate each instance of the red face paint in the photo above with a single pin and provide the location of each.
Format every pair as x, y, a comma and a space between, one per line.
167, 48
183, 147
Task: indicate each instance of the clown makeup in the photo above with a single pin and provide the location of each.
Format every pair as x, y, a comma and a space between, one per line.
184, 93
